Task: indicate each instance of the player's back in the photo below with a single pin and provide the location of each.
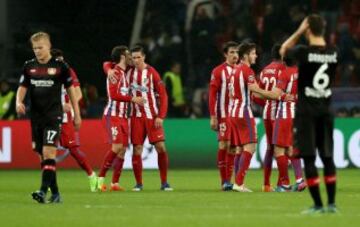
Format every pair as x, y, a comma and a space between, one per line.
268, 80
317, 69
288, 83
239, 91
117, 84
220, 78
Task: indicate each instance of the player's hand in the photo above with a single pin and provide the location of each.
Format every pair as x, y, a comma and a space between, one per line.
213, 123
289, 98
77, 122
20, 108
303, 26
158, 122
138, 100
67, 107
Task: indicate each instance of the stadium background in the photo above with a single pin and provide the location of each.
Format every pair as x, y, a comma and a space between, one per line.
190, 32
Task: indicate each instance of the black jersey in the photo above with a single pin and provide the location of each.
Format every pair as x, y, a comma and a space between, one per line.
44, 82
317, 69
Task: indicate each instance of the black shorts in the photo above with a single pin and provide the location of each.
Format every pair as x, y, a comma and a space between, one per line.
314, 133
45, 132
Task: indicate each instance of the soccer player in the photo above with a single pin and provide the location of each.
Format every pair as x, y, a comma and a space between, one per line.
69, 138
115, 118
282, 135
314, 123
243, 127
219, 113
44, 76
268, 79
148, 120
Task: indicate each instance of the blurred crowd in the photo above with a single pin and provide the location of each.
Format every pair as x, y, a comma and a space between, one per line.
183, 40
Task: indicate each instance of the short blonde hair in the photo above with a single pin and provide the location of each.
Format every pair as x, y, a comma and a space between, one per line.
39, 35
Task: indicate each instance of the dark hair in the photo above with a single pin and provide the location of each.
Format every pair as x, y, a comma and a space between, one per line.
245, 48
229, 45
275, 51
137, 48
55, 53
117, 51
316, 24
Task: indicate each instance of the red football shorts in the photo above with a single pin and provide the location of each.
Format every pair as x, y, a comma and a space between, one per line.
283, 132
142, 127
224, 129
116, 130
243, 131
69, 137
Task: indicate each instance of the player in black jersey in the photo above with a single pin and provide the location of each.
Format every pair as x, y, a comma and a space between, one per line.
43, 78
314, 122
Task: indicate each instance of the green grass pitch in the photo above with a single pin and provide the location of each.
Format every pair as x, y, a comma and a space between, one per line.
196, 201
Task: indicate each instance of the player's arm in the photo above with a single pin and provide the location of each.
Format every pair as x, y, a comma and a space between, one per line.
213, 90
294, 38
67, 80
108, 68
115, 93
20, 95
75, 104
256, 97
24, 83
163, 105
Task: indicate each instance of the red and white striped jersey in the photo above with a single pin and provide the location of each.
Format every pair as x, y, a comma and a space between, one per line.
218, 90
287, 82
268, 80
118, 94
69, 116
240, 103
147, 83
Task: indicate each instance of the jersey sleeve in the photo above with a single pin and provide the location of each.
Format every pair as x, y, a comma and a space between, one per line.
107, 66
115, 88
250, 76
161, 90
65, 75
24, 78
75, 79
215, 83
282, 80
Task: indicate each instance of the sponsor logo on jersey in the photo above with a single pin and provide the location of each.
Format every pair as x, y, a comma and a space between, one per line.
42, 83
51, 71
33, 70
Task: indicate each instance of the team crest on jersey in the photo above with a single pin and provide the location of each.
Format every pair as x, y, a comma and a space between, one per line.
51, 71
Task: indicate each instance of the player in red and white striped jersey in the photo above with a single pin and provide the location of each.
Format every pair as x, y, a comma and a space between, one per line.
147, 120
219, 113
69, 137
243, 127
115, 118
268, 80
282, 139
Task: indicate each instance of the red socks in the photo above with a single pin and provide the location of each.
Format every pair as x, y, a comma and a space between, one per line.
137, 168
118, 166
282, 162
230, 158
245, 159
163, 164
221, 164
81, 160
109, 158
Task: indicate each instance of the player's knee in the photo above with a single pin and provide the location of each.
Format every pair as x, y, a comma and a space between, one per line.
223, 145
49, 152
137, 150
160, 147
